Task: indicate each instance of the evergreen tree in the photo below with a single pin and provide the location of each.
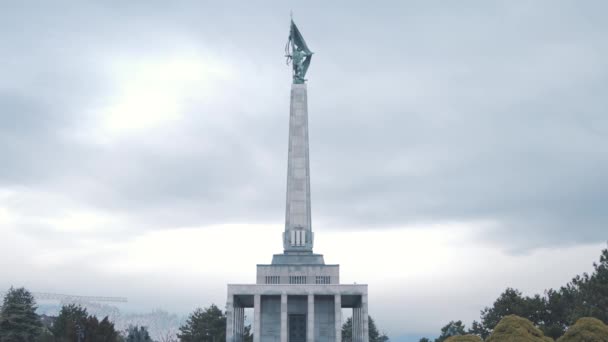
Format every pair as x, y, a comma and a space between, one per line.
208, 325
18, 319
557, 313
512, 302
106, 332
75, 325
424, 339
479, 330
374, 334
135, 334
591, 292
451, 329
70, 324
103, 331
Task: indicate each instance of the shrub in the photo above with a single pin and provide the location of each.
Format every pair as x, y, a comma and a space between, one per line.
464, 338
513, 328
586, 329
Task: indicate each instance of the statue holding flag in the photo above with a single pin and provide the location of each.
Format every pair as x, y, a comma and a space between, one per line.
298, 54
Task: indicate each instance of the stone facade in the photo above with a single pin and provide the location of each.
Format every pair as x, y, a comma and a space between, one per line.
297, 298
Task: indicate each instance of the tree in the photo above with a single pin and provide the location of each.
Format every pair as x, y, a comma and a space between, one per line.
557, 313
69, 325
451, 329
591, 291
511, 302
374, 334
135, 334
515, 328
479, 330
424, 339
18, 319
586, 329
74, 324
204, 325
45, 336
104, 331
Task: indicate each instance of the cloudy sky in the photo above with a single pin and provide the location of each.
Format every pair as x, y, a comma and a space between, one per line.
456, 148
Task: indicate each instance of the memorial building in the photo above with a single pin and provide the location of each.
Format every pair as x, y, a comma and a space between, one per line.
297, 297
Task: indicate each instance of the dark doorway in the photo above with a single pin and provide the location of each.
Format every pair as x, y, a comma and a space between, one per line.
297, 328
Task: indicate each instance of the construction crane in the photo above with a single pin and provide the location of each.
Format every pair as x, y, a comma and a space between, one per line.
73, 298
70, 298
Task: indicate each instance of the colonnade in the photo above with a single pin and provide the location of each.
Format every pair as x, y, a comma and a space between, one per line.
235, 320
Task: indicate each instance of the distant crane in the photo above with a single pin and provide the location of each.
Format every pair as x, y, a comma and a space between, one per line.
73, 298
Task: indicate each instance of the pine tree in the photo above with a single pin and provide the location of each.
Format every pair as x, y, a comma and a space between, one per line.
70, 324
135, 334
74, 324
374, 334
592, 291
451, 329
18, 319
208, 325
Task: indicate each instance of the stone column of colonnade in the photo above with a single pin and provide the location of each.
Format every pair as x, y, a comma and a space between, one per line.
355, 327
241, 325
361, 321
239, 319
235, 320
284, 317
365, 318
230, 318
338, 316
257, 319
310, 327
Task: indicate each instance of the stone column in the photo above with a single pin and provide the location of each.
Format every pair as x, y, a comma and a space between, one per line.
230, 318
355, 320
237, 322
284, 317
310, 327
338, 316
257, 317
241, 326
365, 320
359, 337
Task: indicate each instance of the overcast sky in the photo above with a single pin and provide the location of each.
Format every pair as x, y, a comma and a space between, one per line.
456, 148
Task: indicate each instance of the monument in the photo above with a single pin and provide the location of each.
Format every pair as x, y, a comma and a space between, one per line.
297, 298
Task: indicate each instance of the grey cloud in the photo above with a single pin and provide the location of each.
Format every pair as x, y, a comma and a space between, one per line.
418, 114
